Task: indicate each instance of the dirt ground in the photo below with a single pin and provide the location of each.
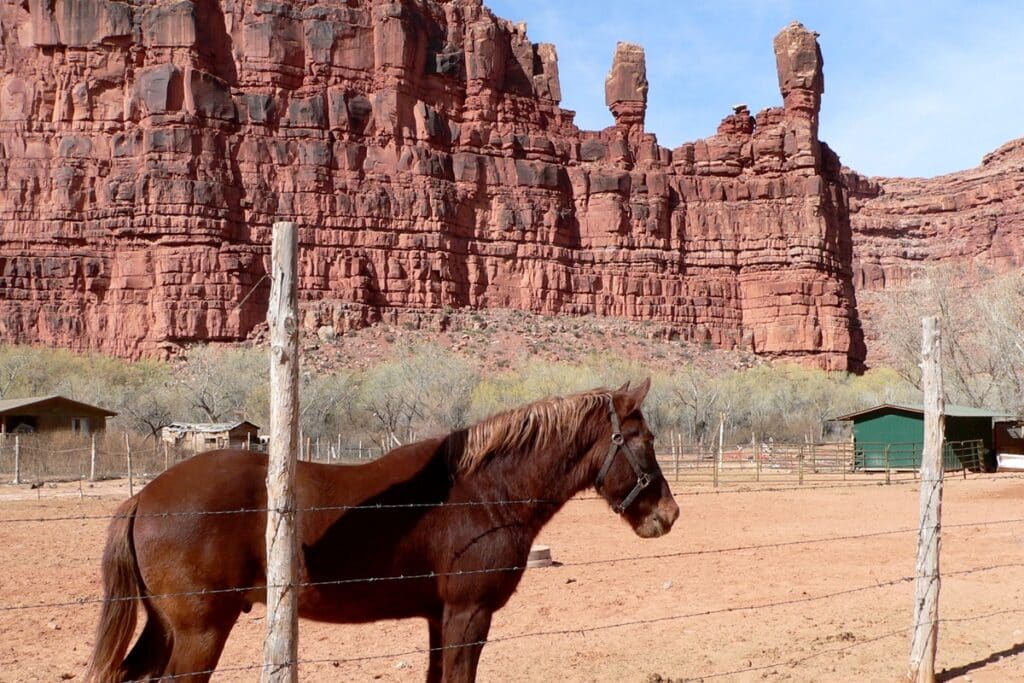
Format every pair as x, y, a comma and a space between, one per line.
735, 615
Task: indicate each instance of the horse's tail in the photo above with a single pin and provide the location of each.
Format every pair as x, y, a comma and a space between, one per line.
121, 586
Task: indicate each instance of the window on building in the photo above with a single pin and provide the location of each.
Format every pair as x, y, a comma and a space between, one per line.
80, 425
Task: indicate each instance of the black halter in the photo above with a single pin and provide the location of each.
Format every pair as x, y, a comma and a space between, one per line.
643, 479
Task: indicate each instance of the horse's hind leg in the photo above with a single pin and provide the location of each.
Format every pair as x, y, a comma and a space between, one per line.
149, 656
198, 642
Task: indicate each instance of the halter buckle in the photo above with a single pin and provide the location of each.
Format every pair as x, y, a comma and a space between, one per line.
618, 439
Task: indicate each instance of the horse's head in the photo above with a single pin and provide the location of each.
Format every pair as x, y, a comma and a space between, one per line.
629, 477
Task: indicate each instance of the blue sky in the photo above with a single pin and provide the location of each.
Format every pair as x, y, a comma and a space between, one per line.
911, 88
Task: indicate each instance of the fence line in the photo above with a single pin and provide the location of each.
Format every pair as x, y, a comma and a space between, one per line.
488, 570
624, 624
525, 501
769, 489
636, 558
683, 463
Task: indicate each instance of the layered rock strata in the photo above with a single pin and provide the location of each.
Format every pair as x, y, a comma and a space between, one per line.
973, 218
147, 147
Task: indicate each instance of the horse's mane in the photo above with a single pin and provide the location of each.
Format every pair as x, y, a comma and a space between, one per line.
551, 422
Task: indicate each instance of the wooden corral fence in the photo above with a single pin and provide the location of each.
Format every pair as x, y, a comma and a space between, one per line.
68, 457
804, 462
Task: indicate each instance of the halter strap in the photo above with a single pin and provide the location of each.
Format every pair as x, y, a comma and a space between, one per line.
643, 479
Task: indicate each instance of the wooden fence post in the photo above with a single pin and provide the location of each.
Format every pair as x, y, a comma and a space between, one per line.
17, 459
927, 580
888, 469
721, 445
92, 459
280, 648
128, 457
757, 459
677, 453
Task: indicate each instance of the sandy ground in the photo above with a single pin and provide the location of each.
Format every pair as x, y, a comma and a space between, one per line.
711, 614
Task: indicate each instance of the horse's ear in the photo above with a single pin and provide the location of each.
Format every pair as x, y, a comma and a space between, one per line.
623, 389
636, 397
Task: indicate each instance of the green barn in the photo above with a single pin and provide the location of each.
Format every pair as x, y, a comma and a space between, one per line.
891, 436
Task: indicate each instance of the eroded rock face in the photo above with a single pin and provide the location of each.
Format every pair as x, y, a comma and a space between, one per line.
974, 217
149, 146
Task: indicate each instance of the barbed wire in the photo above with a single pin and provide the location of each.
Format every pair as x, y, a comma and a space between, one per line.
491, 570
742, 548
335, 661
524, 501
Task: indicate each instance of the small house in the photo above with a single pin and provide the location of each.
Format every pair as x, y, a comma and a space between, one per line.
47, 414
207, 436
891, 436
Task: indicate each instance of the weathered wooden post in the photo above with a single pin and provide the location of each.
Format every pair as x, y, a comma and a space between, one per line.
17, 459
92, 459
677, 452
888, 470
128, 457
280, 648
800, 467
927, 581
721, 445
757, 459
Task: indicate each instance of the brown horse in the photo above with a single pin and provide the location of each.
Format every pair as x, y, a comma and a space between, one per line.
458, 514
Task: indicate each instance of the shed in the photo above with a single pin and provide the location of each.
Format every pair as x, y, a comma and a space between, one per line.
47, 414
205, 436
891, 436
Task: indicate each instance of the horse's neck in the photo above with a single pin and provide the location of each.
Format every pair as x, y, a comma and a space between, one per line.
540, 480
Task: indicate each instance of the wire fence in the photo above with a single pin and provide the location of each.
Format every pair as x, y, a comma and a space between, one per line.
740, 485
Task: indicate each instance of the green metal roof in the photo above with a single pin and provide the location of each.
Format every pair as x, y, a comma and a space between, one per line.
949, 411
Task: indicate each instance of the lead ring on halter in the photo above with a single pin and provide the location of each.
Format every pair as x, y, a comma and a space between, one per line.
643, 479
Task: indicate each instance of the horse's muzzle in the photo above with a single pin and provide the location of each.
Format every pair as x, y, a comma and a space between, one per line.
660, 521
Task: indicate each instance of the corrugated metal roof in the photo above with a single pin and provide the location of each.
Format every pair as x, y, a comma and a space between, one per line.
207, 427
8, 405
949, 411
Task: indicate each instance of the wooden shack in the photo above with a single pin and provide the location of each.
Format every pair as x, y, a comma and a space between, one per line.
208, 436
48, 414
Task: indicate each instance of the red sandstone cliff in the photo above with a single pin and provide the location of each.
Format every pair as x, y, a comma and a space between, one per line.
147, 147
974, 217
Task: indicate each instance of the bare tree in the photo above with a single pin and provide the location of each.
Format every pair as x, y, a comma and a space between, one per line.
423, 390
982, 318
216, 382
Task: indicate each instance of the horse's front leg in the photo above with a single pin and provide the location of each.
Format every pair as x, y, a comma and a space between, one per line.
463, 635
436, 653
